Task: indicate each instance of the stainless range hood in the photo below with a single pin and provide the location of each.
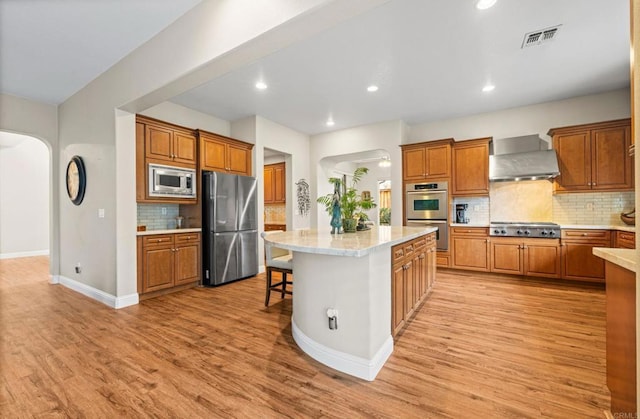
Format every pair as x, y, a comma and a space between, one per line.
522, 158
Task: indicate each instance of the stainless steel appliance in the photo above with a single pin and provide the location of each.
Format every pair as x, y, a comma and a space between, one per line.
229, 227
461, 213
522, 158
172, 181
518, 229
426, 204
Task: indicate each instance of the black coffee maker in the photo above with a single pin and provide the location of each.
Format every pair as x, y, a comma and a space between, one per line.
461, 213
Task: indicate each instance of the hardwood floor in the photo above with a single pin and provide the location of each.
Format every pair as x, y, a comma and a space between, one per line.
481, 346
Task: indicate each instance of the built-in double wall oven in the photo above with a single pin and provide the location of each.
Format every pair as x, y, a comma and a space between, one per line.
427, 204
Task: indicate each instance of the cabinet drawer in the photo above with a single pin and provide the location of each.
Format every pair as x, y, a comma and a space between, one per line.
625, 239
190, 238
397, 252
155, 240
470, 231
604, 235
420, 243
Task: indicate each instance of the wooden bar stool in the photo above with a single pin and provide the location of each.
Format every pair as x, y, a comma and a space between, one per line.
277, 260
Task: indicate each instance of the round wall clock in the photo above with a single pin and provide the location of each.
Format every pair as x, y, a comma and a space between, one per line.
76, 179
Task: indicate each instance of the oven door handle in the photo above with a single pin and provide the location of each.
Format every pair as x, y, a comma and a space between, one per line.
430, 191
427, 221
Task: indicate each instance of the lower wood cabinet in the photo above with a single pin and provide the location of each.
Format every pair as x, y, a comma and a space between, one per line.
531, 257
621, 340
578, 261
624, 239
470, 248
413, 275
166, 261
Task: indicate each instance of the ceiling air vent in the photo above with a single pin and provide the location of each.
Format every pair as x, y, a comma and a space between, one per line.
540, 37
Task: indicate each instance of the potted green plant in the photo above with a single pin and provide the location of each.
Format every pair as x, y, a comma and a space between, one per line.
350, 200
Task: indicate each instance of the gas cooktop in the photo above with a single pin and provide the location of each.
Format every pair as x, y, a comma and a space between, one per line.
524, 229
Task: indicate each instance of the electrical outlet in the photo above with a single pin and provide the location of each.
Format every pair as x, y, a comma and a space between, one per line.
589, 206
78, 268
100, 212
476, 207
164, 211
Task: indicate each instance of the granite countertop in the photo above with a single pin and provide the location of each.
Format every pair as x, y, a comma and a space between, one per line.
347, 244
625, 258
172, 231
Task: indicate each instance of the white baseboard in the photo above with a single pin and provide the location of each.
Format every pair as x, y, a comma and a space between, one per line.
367, 369
96, 294
24, 254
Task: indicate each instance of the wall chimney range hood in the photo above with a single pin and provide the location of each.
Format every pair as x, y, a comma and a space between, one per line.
522, 158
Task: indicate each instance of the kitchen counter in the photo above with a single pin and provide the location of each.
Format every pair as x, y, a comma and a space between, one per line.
631, 229
482, 225
625, 258
172, 231
350, 273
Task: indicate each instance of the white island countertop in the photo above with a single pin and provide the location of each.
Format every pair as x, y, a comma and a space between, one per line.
357, 244
625, 258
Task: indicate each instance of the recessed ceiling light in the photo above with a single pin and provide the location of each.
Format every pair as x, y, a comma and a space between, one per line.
261, 85
488, 88
485, 4
372, 88
330, 122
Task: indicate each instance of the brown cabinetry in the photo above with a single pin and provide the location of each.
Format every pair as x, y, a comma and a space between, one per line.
470, 168
274, 184
624, 239
426, 161
275, 227
578, 260
594, 157
222, 154
412, 276
531, 257
470, 248
167, 261
162, 143
621, 340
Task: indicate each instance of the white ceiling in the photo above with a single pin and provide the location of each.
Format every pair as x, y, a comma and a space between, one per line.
430, 58
50, 49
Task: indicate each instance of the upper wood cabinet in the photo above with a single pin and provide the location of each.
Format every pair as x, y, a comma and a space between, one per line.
594, 157
169, 143
223, 154
470, 168
162, 143
274, 184
427, 161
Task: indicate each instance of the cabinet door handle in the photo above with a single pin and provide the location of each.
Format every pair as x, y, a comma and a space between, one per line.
422, 256
594, 184
584, 234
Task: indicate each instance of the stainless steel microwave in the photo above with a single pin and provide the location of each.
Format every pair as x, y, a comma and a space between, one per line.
171, 181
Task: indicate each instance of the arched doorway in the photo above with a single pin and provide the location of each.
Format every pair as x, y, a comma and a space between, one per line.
25, 185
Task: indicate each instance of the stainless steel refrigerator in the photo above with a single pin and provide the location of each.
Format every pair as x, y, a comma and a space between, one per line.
229, 228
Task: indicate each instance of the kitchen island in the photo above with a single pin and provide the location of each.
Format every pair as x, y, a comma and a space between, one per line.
351, 274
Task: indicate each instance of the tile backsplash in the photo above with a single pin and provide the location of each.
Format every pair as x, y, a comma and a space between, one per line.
155, 218
594, 208
477, 212
275, 213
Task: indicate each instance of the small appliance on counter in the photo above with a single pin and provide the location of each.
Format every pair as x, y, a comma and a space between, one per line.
461, 213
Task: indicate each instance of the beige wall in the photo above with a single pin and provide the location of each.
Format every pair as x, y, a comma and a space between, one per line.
534, 119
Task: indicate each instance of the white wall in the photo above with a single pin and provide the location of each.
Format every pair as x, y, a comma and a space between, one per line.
189, 118
385, 136
38, 120
295, 148
24, 197
534, 119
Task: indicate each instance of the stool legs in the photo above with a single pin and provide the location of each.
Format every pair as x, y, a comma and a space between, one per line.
266, 300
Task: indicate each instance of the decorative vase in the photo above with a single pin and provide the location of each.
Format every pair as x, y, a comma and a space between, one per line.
349, 225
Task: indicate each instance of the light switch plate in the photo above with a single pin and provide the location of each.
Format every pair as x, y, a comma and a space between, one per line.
100, 212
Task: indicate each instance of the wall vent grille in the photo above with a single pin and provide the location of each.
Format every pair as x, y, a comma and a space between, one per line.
541, 36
